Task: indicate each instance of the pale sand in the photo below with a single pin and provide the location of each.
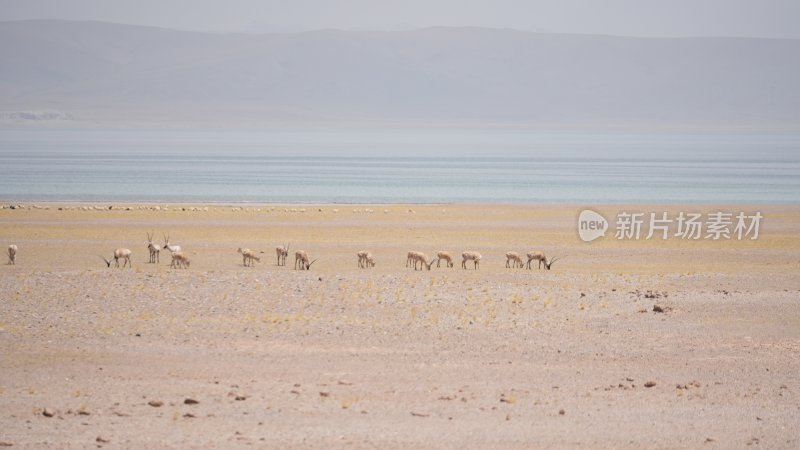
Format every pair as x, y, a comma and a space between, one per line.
390, 357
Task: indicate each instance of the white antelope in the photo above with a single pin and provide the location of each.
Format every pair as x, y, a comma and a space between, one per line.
444, 256
171, 248
418, 257
12, 254
154, 249
513, 260
120, 253
539, 256
475, 257
282, 253
179, 260
365, 259
248, 256
301, 259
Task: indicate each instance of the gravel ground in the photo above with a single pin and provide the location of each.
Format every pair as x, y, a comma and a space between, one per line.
625, 345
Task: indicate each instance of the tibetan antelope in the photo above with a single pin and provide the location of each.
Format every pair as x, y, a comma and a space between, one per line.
154, 249
420, 258
301, 259
365, 259
282, 253
120, 253
12, 254
179, 260
513, 260
171, 248
539, 256
248, 256
475, 257
444, 256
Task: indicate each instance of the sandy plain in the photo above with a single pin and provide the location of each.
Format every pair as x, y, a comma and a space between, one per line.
225, 356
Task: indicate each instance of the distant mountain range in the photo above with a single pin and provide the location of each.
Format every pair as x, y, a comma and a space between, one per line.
102, 73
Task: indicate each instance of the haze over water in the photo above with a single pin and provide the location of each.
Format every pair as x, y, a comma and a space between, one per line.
398, 165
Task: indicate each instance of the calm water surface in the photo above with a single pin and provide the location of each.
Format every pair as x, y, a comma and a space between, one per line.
383, 166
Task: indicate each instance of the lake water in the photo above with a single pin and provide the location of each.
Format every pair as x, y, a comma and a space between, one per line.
398, 165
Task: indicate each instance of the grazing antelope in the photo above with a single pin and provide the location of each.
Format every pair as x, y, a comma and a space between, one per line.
243, 252
539, 256
12, 254
418, 257
171, 248
513, 260
120, 253
444, 256
475, 257
179, 260
248, 256
301, 258
365, 259
410, 257
282, 253
154, 249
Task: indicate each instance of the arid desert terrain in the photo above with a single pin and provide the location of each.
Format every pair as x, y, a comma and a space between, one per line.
623, 344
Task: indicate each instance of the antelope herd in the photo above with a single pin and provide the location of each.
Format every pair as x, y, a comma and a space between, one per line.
366, 260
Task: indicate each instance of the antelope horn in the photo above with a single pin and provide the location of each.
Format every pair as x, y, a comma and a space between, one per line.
552, 260
312, 262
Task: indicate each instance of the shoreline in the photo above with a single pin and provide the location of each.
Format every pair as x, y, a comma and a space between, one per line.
6, 204
336, 231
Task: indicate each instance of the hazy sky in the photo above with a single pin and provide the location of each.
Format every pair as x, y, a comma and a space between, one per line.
752, 18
